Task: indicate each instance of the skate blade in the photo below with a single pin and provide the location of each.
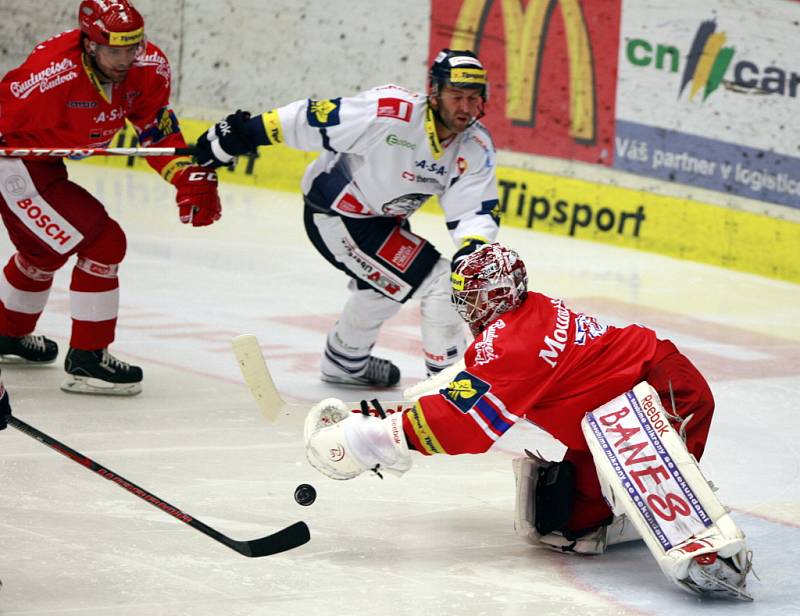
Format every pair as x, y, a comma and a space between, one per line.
10, 360
89, 385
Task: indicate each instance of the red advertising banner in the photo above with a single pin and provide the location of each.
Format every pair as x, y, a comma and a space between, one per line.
552, 70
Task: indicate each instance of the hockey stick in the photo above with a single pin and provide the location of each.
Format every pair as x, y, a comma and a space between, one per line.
259, 381
290, 537
83, 152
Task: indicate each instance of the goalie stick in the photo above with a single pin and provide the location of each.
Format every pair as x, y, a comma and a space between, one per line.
83, 152
259, 381
286, 539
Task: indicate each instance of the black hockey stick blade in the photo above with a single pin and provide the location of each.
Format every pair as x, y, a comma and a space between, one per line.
286, 539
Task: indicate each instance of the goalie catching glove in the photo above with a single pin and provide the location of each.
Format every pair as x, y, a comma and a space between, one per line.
226, 140
342, 444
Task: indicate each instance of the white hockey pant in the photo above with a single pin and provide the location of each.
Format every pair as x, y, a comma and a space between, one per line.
352, 338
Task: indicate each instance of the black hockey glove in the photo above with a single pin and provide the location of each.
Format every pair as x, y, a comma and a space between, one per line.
224, 141
5, 407
468, 246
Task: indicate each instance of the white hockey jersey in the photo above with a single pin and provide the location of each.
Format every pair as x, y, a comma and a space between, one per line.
380, 156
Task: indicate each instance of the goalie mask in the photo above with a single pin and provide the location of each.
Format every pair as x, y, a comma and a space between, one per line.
113, 23
490, 281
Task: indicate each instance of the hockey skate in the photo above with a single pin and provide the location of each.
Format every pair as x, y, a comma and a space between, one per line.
99, 372
714, 565
27, 350
377, 373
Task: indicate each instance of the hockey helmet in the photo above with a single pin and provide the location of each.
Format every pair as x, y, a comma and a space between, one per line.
114, 23
460, 69
487, 283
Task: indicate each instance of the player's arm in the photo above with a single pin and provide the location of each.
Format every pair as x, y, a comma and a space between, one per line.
463, 418
157, 126
471, 204
335, 125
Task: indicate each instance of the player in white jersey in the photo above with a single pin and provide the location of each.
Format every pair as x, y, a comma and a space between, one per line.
383, 153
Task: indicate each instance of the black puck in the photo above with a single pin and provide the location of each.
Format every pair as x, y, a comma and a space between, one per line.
305, 494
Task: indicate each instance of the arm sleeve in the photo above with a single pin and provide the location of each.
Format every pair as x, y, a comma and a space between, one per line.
471, 205
157, 125
466, 417
336, 125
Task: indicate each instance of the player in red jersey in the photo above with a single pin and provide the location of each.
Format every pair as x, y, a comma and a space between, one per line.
533, 358
76, 90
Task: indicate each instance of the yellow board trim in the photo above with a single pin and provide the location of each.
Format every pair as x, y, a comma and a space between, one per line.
681, 228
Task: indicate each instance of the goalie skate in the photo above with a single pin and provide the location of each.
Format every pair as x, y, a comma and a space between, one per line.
99, 372
27, 350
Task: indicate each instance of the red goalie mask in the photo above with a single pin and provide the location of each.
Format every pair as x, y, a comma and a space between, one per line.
490, 281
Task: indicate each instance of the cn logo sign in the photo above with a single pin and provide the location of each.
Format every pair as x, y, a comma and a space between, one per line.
526, 27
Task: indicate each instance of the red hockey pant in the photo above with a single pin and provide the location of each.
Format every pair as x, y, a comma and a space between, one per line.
49, 219
692, 397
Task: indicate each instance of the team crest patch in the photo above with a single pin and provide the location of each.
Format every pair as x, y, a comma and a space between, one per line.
323, 113
465, 391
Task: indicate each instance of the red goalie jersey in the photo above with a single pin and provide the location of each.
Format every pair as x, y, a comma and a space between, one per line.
55, 99
542, 362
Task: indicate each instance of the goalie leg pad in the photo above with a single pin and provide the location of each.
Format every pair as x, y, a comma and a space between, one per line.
545, 493
647, 473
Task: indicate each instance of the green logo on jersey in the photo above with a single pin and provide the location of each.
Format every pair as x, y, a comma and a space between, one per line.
395, 140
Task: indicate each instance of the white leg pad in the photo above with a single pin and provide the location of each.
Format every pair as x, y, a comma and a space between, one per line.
647, 473
526, 476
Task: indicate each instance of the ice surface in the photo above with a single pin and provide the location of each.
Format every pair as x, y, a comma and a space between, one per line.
439, 540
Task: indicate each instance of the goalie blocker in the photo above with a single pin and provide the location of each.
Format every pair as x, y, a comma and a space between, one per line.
656, 491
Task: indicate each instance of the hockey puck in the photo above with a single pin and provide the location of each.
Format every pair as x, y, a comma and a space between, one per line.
305, 494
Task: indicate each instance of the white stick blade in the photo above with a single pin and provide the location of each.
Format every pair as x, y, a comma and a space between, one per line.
257, 377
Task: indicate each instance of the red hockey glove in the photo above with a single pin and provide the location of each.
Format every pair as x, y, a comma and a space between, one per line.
198, 200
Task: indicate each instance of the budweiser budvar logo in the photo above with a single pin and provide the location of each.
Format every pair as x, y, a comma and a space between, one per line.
54, 75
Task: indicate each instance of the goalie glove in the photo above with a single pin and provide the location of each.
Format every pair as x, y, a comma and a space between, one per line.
342, 444
224, 141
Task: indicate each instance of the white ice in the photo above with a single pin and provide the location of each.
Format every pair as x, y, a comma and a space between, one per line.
439, 540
